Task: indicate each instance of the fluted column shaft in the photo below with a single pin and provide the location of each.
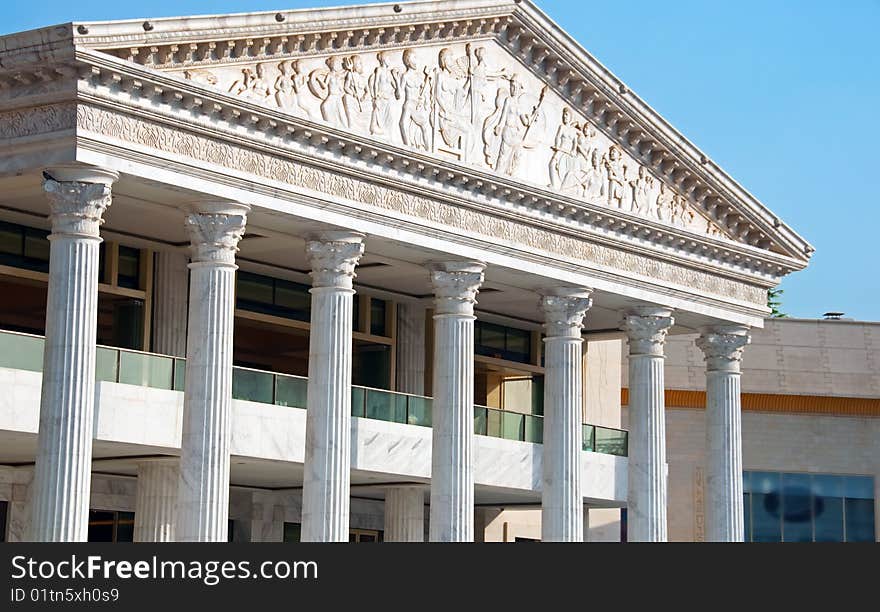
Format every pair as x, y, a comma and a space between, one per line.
156, 501
325, 510
215, 229
562, 502
404, 514
78, 198
452, 464
723, 346
410, 372
171, 286
646, 505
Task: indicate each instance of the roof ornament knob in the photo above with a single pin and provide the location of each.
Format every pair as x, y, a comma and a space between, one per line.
82, 29
279, 17
148, 26
397, 8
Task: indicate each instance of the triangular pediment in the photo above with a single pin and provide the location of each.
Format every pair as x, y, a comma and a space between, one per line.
492, 85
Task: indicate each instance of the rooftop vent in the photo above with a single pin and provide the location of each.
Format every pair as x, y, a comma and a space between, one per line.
833, 316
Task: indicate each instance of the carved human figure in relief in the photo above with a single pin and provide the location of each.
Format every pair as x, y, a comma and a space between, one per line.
681, 213
245, 85
563, 160
355, 90
253, 84
586, 177
665, 203
382, 87
481, 75
452, 99
328, 85
642, 186
290, 85
508, 130
415, 116
615, 173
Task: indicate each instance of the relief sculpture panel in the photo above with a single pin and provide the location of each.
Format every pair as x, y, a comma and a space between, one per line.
472, 103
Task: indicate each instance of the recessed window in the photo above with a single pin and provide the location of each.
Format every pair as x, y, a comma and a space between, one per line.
24, 247
501, 342
377, 317
272, 296
111, 526
129, 271
793, 507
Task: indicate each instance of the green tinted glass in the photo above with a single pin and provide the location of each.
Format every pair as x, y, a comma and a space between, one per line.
481, 417
21, 352
106, 363
252, 385
291, 391
145, 370
419, 411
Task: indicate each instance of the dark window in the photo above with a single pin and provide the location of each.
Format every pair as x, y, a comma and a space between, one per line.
377, 317
371, 365
129, 274
111, 526
272, 296
292, 532
500, 342
24, 247
808, 507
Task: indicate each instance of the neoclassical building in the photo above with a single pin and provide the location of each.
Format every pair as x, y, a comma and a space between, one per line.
339, 274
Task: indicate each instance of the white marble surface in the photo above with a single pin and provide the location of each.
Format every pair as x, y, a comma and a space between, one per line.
171, 274
452, 483
723, 347
333, 257
156, 506
78, 198
562, 510
203, 497
405, 514
646, 330
410, 370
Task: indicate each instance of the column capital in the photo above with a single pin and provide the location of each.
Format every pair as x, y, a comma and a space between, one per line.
214, 229
78, 197
564, 309
333, 256
646, 328
723, 345
456, 284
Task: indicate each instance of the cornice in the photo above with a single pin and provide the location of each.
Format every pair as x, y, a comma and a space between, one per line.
110, 81
522, 28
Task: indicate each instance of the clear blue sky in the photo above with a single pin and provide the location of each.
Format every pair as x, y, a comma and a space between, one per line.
783, 94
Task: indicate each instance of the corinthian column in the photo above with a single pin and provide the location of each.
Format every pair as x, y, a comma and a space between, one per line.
156, 501
203, 495
452, 467
723, 347
562, 502
78, 197
646, 329
326, 482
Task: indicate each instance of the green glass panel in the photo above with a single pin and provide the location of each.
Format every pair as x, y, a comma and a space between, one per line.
386, 406
252, 385
588, 437
36, 245
493, 422
534, 429
179, 374
481, 420
292, 296
128, 324
145, 370
21, 352
291, 391
357, 401
512, 426
106, 362
253, 288
419, 411
610, 441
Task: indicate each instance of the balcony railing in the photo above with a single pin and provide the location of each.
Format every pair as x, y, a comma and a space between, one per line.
25, 352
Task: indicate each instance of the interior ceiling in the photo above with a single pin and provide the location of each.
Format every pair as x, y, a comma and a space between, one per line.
146, 213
